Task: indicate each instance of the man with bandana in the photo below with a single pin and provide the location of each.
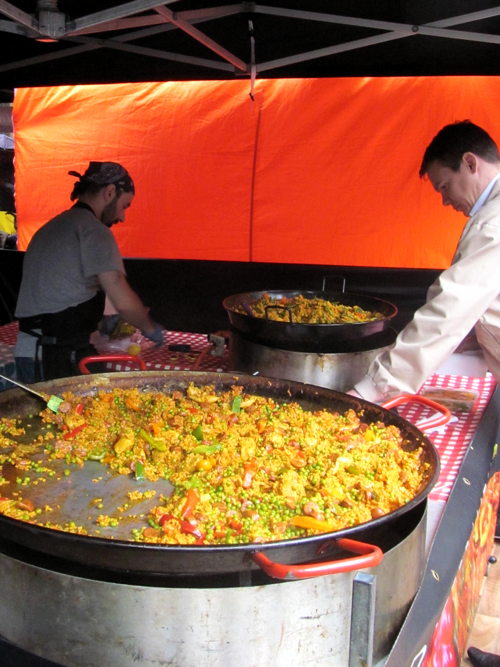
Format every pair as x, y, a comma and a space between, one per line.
71, 265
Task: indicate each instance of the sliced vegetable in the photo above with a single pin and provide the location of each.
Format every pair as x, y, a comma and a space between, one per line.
133, 403
123, 444
151, 532
139, 471
156, 427
192, 483
236, 404
189, 527
166, 517
155, 444
249, 470
26, 504
97, 455
237, 526
198, 432
54, 402
207, 449
261, 426
192, 529
191, 502
311, 523
74, 431
299, 460
206, 463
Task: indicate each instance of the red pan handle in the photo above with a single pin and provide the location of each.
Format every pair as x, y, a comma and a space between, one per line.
437, 420
128, 358
370, 556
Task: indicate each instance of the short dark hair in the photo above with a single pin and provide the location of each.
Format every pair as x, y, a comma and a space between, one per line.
452, 141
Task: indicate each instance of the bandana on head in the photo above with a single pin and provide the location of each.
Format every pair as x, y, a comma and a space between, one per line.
106, 173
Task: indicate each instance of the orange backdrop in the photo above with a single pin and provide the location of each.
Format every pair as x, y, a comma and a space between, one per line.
316, 171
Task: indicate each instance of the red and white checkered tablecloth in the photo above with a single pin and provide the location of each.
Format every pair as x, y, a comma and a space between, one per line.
158, 358
199, 357
8, 333
451, 440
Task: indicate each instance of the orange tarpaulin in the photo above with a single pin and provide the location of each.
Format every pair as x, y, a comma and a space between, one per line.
316, 171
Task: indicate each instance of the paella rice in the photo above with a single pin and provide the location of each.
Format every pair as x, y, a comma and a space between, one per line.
244, 468
308, 310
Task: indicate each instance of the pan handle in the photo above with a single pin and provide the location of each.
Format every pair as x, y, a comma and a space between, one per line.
437, 420
98, 358
369, 556
341, 278
285, 308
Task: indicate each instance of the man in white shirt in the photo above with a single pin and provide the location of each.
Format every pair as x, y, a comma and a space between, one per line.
462, 163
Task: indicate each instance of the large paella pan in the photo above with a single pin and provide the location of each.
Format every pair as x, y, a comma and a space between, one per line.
82, 490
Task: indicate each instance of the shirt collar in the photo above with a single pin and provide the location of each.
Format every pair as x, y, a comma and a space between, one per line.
81, 204
484, 195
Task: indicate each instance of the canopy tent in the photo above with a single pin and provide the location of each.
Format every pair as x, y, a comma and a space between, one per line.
312, 171
53, 42
248, 45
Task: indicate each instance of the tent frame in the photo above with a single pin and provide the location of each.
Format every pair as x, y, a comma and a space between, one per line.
139, 19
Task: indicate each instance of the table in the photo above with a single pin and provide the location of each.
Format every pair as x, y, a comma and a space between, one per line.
453, 439
207, 352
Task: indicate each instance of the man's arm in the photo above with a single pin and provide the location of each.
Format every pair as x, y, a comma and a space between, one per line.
128, 304
455, 302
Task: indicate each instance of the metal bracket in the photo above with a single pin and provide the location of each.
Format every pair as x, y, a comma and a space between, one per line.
219, 343
362, 620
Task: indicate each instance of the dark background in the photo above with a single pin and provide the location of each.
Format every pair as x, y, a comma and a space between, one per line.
187, 295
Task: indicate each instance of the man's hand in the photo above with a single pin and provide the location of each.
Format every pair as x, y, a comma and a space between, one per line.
156, 334
129, 306
353, 392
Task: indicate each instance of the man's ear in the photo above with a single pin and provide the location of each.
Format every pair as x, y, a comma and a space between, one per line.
471, 162
109, 192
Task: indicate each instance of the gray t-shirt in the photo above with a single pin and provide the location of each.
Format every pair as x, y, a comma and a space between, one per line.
62, 263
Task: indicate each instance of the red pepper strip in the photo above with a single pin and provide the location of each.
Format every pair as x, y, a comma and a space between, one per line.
185, 526
79, 408
191, 502
249, 470
192, 529
310, 523
74, 431
166, 517
236, 526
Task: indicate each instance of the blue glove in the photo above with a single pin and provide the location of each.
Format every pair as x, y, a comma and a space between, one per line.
156, 335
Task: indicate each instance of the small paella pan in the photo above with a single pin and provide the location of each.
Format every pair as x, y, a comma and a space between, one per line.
307, 320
